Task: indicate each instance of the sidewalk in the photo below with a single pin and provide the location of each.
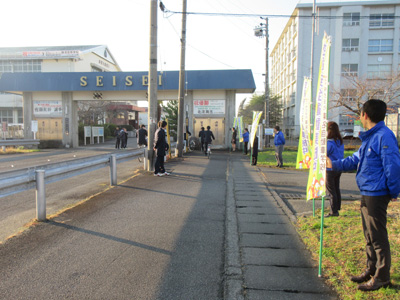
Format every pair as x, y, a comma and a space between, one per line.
275, 263
211, 230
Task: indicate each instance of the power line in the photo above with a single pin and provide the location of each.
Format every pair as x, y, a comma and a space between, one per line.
271, 16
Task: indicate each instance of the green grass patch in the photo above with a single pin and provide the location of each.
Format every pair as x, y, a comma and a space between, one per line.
267, 157
343, 253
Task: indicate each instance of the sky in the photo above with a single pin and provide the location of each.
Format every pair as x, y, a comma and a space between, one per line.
212, 42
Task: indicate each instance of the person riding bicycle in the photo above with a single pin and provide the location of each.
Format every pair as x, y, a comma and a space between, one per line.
207, 138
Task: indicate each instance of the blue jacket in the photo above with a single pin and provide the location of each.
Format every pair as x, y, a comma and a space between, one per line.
377, 163
279, 139
246, 136
335, 151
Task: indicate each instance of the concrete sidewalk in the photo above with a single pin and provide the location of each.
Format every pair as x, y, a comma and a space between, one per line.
211, 230
275, 263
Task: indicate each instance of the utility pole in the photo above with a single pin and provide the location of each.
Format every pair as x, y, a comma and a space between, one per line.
262, 31
152, 89
266, 80
181, 103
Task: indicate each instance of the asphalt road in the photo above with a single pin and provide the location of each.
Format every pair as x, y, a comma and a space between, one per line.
20, 209
147, 238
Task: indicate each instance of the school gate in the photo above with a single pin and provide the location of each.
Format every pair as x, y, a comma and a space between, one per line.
209, 97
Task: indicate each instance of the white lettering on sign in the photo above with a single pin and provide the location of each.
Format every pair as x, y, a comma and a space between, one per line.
209, 107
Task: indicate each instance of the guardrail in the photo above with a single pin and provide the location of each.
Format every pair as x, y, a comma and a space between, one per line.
13, 182
18, 142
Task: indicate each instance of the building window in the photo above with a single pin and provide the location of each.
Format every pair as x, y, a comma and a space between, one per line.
380, 45
20, 116
381, 20
20, 66
350, 45
350, 70
346, 120
378, 71
95, 69
348, 95
6, 115
351, 19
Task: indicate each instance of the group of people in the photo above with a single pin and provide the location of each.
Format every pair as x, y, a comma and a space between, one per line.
378, 177
121, 138
279, 141
206, 138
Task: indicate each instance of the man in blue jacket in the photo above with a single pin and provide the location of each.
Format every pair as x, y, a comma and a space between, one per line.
279, 141
378, 177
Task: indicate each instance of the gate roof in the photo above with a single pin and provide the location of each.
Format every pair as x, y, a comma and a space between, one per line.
241, 81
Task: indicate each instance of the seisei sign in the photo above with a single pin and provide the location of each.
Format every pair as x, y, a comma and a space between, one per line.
239, 80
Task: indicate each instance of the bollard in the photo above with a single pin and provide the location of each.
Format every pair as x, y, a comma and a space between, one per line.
40, 196
113, 169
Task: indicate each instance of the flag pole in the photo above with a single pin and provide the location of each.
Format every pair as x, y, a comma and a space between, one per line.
321, 240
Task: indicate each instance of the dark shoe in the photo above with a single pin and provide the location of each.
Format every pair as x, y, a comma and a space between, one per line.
333, 215
373, 284
363, 277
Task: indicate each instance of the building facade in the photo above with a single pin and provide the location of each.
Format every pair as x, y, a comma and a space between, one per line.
365, 43
92, 58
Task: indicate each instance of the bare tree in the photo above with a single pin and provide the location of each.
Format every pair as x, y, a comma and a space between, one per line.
355, 90
92, 112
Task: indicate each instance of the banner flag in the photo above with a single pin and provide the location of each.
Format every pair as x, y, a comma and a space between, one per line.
316, 179
240, 128
235, 122
254, 126
304, 150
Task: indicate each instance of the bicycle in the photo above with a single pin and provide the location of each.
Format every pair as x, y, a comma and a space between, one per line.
194, 144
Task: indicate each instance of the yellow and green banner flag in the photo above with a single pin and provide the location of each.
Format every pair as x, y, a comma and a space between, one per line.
317, 175
304, 150
240, 128
254, 126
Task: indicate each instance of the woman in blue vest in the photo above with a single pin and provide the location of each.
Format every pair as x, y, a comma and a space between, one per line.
335, 152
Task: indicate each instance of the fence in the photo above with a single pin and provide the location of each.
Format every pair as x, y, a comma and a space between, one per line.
36, 177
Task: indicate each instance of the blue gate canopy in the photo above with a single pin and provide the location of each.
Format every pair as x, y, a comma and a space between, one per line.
241, 81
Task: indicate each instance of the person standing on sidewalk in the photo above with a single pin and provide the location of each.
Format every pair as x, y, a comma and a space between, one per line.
124, 138
246, 137
142, 135
160, 146
117, 138
335, 152
378, 171
234, 139
254, 152
279, 141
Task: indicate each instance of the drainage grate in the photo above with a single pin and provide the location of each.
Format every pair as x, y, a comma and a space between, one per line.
292, 196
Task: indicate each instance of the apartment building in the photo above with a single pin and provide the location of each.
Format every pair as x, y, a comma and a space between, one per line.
365, 42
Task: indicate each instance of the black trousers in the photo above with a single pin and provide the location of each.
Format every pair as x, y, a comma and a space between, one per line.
245, 147
374, 220
159, 166
333, 188
254, 161
117, 143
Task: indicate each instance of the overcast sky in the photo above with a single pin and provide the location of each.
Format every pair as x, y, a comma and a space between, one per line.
213, 42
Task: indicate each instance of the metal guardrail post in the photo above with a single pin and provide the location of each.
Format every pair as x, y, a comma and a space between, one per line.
113, 169
40, 196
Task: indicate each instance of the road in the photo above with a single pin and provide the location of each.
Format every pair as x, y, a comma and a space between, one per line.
18, 210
